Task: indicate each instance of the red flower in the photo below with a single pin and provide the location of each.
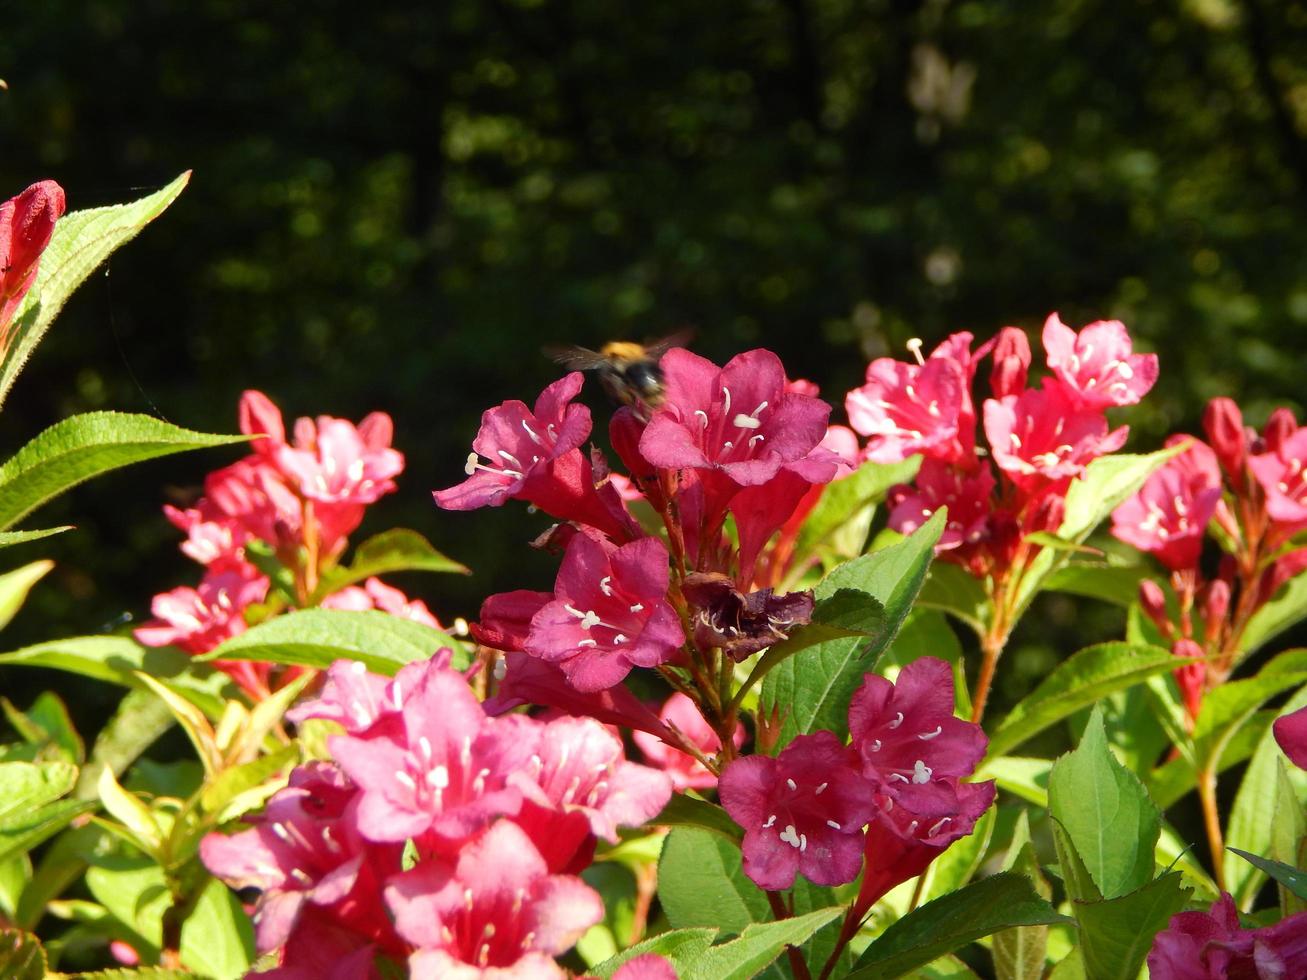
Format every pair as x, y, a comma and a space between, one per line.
1042, 436
905, 409
802, 811
197, 620
966, 495
1291, 733
26, 223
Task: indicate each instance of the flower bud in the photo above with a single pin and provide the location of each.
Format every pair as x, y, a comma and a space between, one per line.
1223, 423
1011, 362
1279, 427
1216, 604
1153, 602
1190, 677
26, 224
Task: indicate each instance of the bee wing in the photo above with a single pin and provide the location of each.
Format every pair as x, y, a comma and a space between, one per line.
679, 339
577, 358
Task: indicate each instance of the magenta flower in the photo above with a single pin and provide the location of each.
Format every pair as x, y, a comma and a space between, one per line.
1041, 435
1291, 733
303, 854
579, 786
357, 700
905, 409
26, 223
211, 538
518, 444
650, 966
496, 913
376, 594
252, 493
259, 416
739, 420
1280, 473
197, 620
686, 772
1168, 517
333, 462
968, 497
321, 950
1011, 362
905, 733
1211, 946
1098, 366
609, 613
443, 769
802, 811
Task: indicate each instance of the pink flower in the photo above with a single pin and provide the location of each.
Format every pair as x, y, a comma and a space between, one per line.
1223, 423
1211, 946
376, 594
802, 811
197, 620
609, 613
211, 538
685, 770
650, 966
259, 416
26, 223
739, 420
253, 494
1280, 472
357, 700
519, 444
1168, 517
305, 853
906, 409
334, 463
968, 497
1041, 435
497, 913
1011, 362
320, 950
1098, 367
905, 733
1291, 733
443, 768
579, 786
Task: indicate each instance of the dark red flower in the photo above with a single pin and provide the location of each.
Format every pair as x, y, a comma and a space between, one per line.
26, 223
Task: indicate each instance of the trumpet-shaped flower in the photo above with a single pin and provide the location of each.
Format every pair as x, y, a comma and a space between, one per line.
1169, 515
905, 409
1211, 946
1042, 436
1281, 473
966, 495
1098, 366
197, 620
802, 811
1291, 733
496, 913
333, 462
609, 613
686, 772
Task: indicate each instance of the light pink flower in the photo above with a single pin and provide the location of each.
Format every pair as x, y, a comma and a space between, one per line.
1168, 517
685, 770
1098, 366
1211, 946
197, 620
211, 538
334, 462
1041, 435
376, 594
904, 409
357, 700
650, 966
496, 913
802, 811
609, 613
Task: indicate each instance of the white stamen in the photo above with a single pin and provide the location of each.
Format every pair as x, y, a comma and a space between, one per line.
532, 433
770, 820
758, 438
821, 789
833, 825
726, 394
638, 607
898, 720
914, 345
405, 780
921, 773
604, 585
424, 746
743, 421
619, 639
438, 777
587, 643
927, 736
703, 416
803, 843
899, 776
875, 745
791, 784
935, 829
790, 835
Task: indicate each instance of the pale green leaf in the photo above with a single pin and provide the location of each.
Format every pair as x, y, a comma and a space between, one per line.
15, 585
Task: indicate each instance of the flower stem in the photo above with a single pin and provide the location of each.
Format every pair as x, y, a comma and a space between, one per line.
797, 966
991, 648
1212, 822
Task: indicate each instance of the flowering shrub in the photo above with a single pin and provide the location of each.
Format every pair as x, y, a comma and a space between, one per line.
738, 735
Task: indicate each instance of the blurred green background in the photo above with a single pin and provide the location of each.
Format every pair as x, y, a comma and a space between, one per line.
395, 205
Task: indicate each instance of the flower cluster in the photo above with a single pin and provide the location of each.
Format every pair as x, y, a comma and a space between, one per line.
805, 810
26, 224
1250, 488
295, 501
439, 835
1211, 945
1040, 438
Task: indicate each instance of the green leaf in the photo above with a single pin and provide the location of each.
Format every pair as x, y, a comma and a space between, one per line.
813, 688
81, 241
1229, 706
701, 883
25, 786
78, 448
8, 538
927, 633
1106, 813
1107, 482
843, 501
1116, 934
1019, 953
1079, 883
686, 811
1078, 682
135, 892
1249, 827
1117, 584
952, 589
15, 585
120, 660
136, 724
757, 946
238, 789
1294, 879
397, 550
26, 831
681, 947
319, 637
1287, 607
129, 811
15, 873
217, 937
21, 956
952, 921
48, 725
1288, 836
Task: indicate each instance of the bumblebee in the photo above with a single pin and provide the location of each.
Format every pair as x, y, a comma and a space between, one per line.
628, 372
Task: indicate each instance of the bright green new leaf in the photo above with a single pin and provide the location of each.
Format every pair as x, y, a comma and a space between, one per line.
1105, 812
320, 637
25, 786
1076, 683
756, 947
952, 921
218, 937
15, 585
78, 448
135, 892
844, 502
239, 789
129, 811
680, 947
21, 834
81, 241
1116, 934
812, 689
1117, 584
397, 550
